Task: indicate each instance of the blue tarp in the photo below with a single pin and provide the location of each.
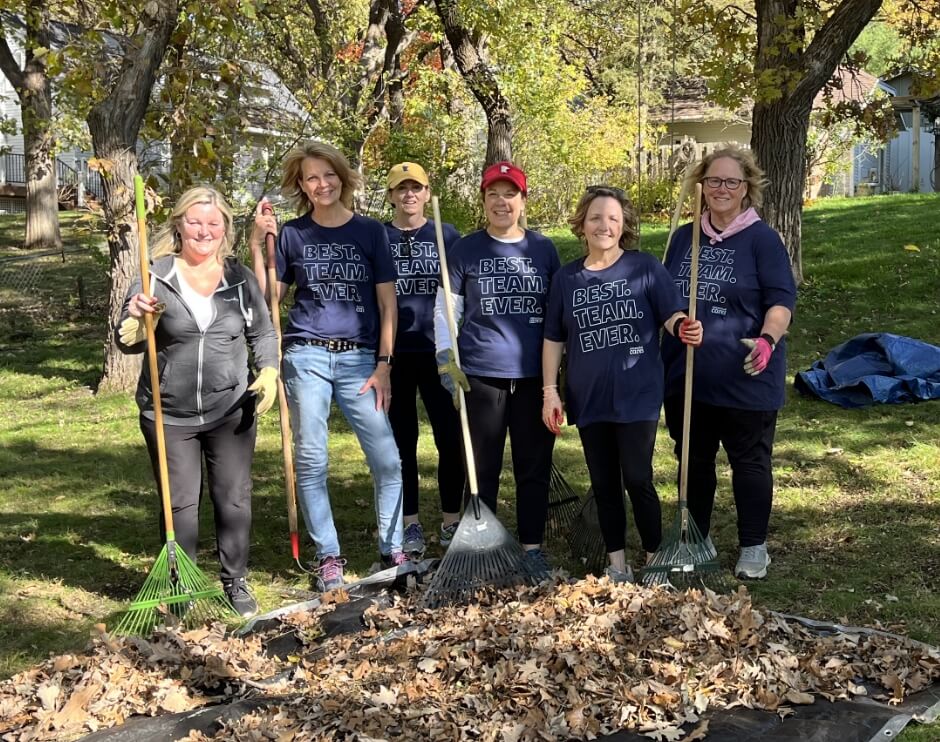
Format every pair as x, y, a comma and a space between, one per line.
874, 368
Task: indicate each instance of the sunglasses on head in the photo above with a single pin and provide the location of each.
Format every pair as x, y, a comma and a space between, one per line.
605, 190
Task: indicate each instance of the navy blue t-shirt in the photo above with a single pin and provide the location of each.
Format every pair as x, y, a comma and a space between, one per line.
740, 278
609, 321
419, 271
335, 271
505, 289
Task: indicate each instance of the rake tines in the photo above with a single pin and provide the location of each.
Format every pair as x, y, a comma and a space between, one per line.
563, 505
585, 538
482, 555
181, 595
685, 559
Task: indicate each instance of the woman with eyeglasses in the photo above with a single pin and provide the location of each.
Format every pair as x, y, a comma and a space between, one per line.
746, 297
414, 246
605, 311
500, 277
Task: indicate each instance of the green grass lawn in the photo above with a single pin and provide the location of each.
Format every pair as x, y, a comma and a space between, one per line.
854, 533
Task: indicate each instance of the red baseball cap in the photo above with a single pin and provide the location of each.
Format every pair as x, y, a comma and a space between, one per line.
504, 171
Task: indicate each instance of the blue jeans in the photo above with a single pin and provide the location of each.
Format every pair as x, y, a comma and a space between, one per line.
313, 377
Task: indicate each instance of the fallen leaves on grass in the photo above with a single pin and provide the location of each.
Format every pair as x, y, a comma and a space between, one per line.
557, 662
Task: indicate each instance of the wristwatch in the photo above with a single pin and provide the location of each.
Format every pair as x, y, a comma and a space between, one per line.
385, 359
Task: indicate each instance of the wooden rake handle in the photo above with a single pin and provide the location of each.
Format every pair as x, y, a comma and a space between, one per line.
141, 210
689, 362
287, 449
452, 331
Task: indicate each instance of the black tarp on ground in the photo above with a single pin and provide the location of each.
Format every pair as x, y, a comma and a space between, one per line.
844, 721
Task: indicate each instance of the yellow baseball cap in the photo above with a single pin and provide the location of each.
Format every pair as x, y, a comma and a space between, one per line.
407, 171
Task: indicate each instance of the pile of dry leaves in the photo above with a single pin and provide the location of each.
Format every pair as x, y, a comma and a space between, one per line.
560, 661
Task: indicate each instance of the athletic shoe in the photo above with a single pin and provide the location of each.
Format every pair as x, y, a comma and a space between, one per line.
753, 562
447, 533
618, 576
395, 559
329, 575
537, 563
238, 594
414, 540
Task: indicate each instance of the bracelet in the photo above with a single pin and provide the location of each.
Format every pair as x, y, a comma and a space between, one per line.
676, 325
549, 386
770, 339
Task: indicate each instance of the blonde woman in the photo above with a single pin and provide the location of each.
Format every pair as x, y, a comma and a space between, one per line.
338, 343
746, 297
209, 310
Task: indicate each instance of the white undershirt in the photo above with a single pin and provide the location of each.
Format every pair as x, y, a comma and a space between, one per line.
202, 307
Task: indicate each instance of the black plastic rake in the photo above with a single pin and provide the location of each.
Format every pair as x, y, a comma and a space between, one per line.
563, 506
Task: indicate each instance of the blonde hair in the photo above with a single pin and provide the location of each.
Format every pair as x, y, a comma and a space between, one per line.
753, 175
166, 240
631, 229
292, 173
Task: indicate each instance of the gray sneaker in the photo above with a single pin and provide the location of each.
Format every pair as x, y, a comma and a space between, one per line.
447, 533
618, 576
329, 574
753, 562
537, 564
414, 540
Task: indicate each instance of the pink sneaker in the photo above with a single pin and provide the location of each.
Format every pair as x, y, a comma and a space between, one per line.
329, 575
395, 559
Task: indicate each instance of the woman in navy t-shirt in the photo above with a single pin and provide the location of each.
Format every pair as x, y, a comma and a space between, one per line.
606, 310
746, 296
500, 277
414, 245
338, 342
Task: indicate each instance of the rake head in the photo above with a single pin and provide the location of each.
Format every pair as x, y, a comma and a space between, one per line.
563, 506
585, 538
685, 560
482, 555
173, 595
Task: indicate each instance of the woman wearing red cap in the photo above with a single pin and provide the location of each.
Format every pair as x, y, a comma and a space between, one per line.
500, 277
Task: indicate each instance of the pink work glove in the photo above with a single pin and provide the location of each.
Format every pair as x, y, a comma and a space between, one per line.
761, 351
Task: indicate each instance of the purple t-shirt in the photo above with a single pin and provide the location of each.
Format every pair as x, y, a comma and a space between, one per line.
740, 278
609, 321
419, 272
335, 271
505, 289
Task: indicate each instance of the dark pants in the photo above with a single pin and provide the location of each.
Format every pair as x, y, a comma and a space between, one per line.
748, 438
493, 407
413, 373
228, 447
620, 455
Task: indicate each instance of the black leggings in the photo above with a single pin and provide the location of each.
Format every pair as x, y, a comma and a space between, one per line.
493, 407
620, 455
413, 373
748, 438
228, 446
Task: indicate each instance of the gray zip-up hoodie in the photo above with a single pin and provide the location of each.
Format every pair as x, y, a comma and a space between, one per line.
204, 375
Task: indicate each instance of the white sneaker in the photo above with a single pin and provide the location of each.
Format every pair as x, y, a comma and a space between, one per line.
753, 562
618, 576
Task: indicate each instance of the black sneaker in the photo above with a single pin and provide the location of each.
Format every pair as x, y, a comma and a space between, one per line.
238, 594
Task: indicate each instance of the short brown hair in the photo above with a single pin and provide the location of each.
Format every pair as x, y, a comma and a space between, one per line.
631, 229
292, 171
753, 175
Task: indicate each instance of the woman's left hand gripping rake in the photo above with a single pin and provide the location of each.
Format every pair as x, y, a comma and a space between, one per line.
175, 584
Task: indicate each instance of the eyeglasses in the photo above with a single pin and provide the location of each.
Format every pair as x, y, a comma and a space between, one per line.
605, 190
732, 184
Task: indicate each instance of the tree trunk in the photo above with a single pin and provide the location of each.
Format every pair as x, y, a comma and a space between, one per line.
114, 124
782, 109
34, 91
42, 199
778, 137
480, 78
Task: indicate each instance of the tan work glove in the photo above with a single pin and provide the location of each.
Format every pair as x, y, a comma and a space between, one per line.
451, 375
133, 330
265, 386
